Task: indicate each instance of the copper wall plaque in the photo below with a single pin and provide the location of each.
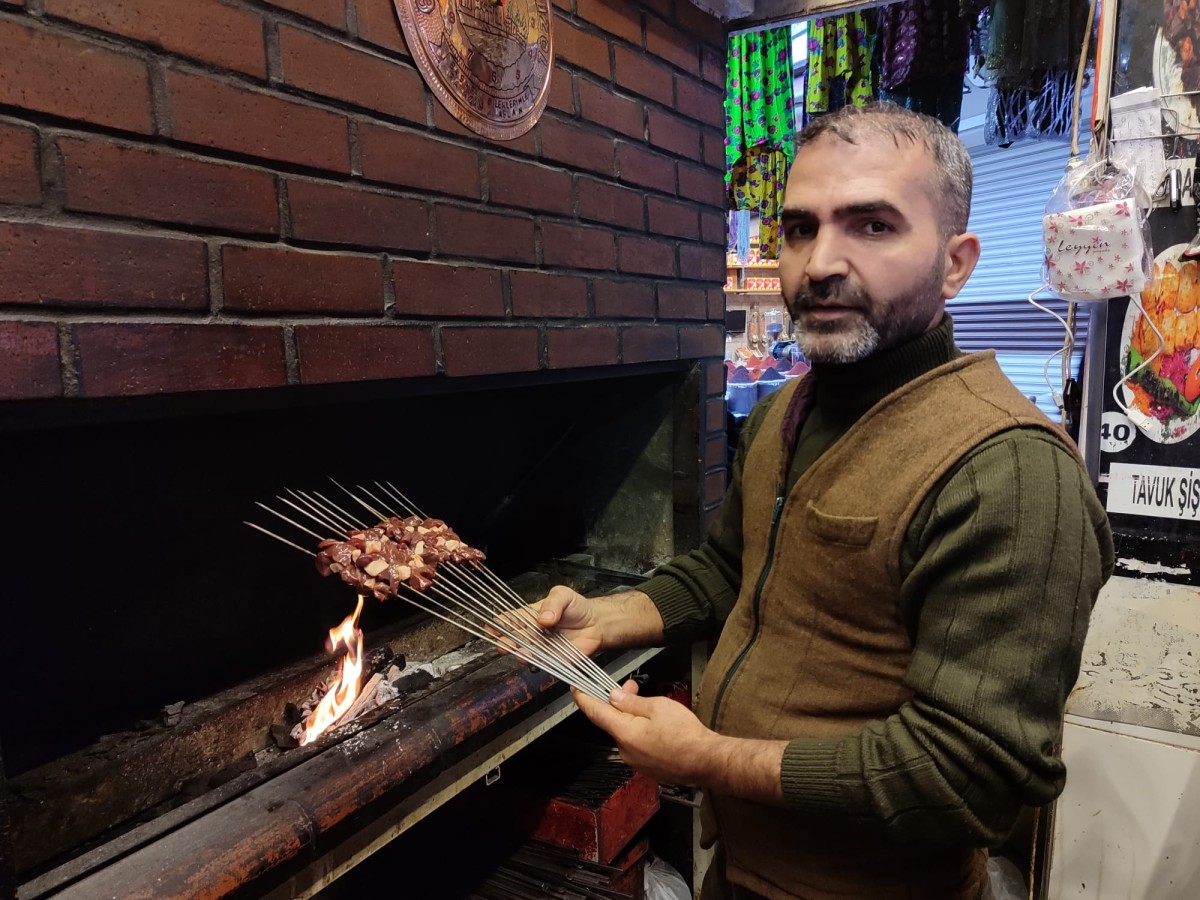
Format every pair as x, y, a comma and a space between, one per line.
488, 62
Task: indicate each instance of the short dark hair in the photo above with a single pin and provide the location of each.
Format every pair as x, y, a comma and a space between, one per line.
885, 119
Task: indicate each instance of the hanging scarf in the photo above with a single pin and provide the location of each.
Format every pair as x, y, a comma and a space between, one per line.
1033, 48
760, 126
839, 62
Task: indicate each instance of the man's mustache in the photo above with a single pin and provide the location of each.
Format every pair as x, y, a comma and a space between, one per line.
830, 292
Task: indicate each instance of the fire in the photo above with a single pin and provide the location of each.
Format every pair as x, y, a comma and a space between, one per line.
341, 696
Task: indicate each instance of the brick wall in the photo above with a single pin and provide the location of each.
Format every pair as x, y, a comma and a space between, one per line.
224, 194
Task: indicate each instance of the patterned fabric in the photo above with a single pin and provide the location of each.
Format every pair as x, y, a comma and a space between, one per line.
760, 126
839, 51
757, 183
923, 39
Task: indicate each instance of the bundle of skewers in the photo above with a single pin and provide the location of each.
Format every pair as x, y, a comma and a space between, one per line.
421, 559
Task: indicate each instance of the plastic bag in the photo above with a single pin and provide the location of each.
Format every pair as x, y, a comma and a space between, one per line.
1096, 233
663, 882
1006, 880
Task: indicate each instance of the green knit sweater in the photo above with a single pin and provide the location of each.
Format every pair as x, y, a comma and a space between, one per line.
1001, 566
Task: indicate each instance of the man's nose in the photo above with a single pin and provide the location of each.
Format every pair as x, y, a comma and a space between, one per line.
826, 257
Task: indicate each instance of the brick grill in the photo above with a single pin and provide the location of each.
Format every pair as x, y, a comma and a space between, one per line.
231, 198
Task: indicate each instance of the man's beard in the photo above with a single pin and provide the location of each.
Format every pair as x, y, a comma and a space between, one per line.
871, 326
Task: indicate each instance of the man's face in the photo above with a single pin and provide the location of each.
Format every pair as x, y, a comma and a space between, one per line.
863, 265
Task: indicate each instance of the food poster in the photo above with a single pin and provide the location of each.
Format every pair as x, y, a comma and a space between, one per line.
1156, 66
1150, 426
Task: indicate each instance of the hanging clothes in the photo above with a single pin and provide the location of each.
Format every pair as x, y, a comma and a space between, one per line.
923, 48
839, 62
760, 126
1033, 48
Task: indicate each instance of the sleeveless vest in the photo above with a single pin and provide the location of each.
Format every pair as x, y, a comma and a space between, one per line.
815, 646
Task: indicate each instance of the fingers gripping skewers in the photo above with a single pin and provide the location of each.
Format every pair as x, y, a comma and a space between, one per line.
424, 561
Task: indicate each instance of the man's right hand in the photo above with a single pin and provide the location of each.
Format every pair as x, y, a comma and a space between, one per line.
573, 616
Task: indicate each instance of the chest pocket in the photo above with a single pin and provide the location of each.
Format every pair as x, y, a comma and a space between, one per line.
845, 531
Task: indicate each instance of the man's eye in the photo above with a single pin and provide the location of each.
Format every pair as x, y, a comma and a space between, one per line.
877, 228
799, 230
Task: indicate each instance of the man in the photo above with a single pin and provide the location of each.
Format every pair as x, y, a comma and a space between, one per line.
901, 573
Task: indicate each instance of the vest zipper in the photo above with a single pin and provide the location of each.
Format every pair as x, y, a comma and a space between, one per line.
780, 497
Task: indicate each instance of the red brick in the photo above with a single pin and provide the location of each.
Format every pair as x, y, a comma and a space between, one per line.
475, 234
378, 24
579, 48
489, 351
274, 280
714, 227
677, 301
129, 358
331, 12
31, 368
715, 453
714, 487
605, 202
670, 217
161, 186
701, 340
414, 159
573, 247
202, 29
646, 256
712, 150
542, 295
441, 290
229, 117
704, 26
622, 19
565, 5
50, 266
673, 133
647, 343
698, 101
560, 94
667, 42
702, 185
641, 167
665, 8
337, 214
335, 70
568, 143
64, 77
712, 66
716, 304
601, 105
568, 348
714, 415
339, 353
528, 186
702, 262
714, 379
623, 299
19, 179
637, 72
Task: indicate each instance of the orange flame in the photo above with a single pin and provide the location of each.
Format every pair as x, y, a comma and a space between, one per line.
341, 696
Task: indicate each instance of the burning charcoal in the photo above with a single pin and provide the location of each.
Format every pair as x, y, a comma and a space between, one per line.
283, 736
297, 733
414, 681
172, 712
292, 714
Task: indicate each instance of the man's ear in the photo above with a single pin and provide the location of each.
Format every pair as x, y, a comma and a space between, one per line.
962, 253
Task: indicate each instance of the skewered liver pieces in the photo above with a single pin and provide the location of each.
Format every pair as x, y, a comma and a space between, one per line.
394, 553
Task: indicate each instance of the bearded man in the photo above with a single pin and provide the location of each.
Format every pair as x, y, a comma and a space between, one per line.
900, 575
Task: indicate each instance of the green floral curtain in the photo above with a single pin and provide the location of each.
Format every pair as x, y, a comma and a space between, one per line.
760, 125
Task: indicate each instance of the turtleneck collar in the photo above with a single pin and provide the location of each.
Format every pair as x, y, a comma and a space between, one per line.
853, 388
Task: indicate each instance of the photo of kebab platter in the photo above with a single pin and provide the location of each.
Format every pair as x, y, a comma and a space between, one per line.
1164, 396
376, 541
